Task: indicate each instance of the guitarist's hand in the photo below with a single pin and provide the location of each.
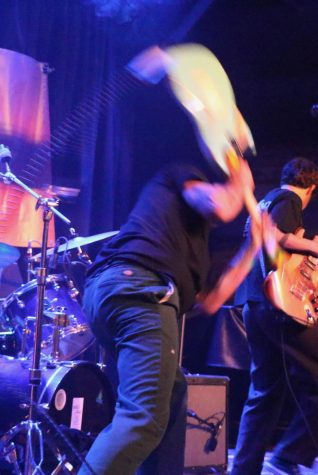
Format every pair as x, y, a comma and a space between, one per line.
150, 65
223, 201
297, 243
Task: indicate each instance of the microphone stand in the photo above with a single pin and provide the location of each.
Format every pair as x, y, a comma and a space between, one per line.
31, 426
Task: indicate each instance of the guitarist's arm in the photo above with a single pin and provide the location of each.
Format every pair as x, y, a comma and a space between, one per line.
297, 243
212, 299
225, 202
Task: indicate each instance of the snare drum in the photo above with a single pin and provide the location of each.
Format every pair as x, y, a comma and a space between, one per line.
18, 312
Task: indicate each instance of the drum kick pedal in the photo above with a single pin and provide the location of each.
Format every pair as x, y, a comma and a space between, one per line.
8, 451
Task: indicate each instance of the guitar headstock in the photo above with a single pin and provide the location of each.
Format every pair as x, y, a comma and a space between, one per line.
151, 65
202, 86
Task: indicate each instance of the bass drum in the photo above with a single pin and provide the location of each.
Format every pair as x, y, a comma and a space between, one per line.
18, 312
77, 395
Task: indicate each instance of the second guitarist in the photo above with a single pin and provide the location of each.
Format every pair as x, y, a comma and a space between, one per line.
278, 344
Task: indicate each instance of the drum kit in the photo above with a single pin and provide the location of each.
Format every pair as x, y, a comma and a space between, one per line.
62, 310
55, 394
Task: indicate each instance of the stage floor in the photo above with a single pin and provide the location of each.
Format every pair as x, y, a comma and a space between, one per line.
304, 470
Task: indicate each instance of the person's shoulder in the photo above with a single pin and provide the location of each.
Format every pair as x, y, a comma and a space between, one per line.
277, 194
288, 195
280, 197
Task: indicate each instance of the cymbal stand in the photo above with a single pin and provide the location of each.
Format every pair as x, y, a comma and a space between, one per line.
29, 262
34, 439
61, 320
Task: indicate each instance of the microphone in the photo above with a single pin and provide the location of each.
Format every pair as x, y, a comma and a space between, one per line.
54, 256
314, 111
5, 157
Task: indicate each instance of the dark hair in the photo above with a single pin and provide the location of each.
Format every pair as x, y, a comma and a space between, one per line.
299, 172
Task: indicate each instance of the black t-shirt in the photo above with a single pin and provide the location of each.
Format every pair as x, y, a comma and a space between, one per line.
164, 234
285, 208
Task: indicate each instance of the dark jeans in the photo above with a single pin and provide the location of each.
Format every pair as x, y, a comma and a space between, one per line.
133, 313
266, 329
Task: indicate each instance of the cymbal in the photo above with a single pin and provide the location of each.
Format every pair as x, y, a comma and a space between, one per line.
79, 241
61, 191
8, 254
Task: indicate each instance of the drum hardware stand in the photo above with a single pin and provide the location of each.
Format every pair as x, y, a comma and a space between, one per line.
30, 426
73, 292
63, 463
30, 270
82, 255
61, 320
25, 333
11, 456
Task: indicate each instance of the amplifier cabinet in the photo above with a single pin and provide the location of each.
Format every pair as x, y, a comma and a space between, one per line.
207, 424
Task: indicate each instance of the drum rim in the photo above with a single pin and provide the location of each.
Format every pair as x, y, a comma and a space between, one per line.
26, 287
48, 390
26, 293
